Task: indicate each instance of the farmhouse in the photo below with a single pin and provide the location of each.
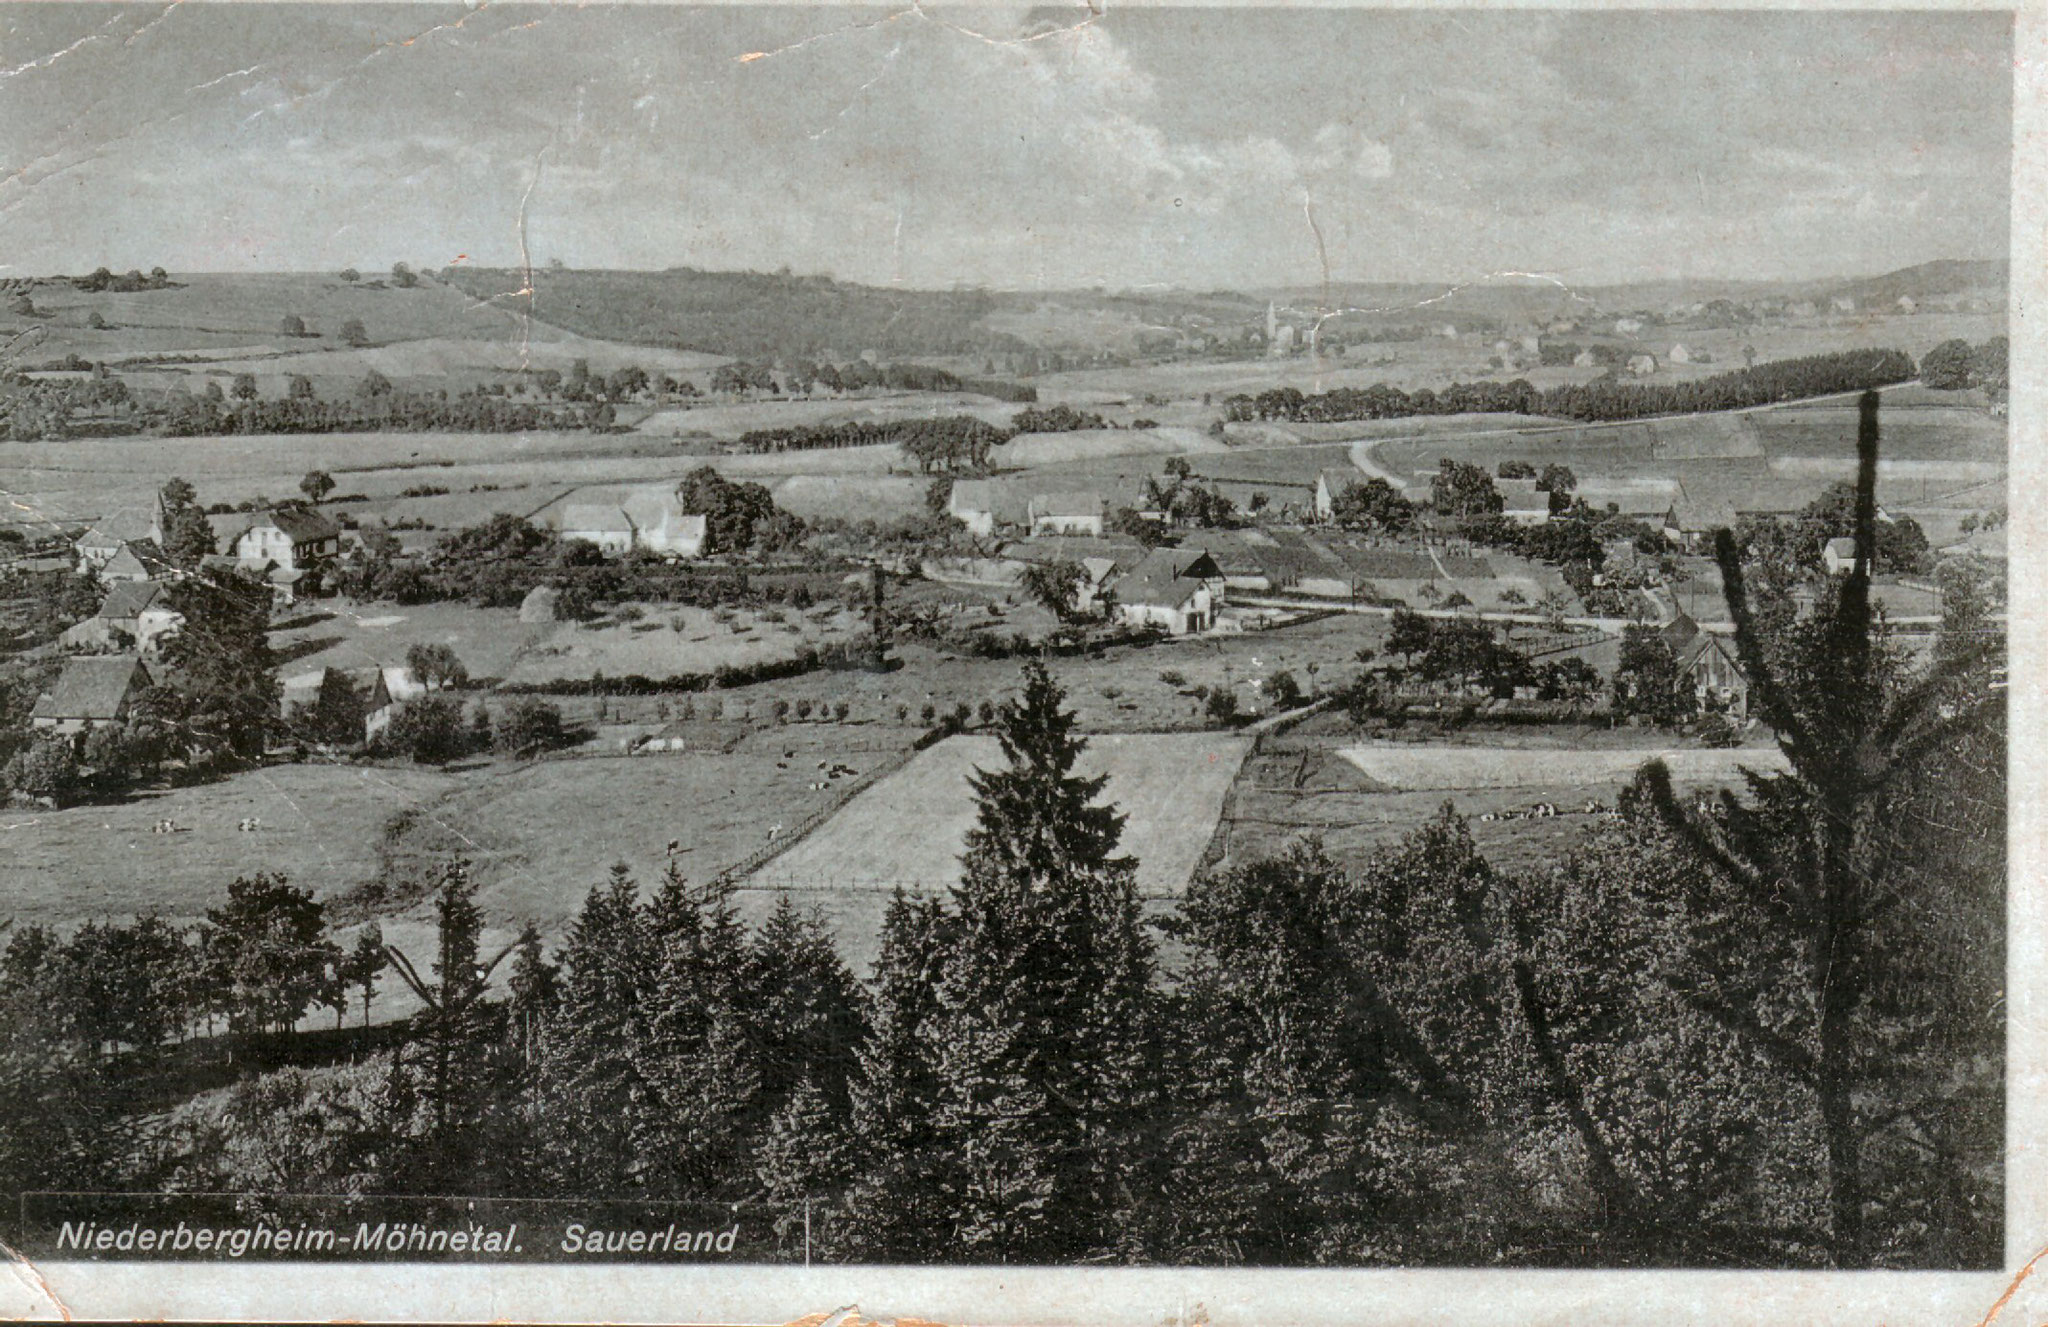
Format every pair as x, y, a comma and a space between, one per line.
98, 544
1179, 589
1072, 513
649, 519
1642, 366
135, 614
91, 691
1708, 662
136, 561
973, 503
1838, 555
287, 546
1522, 502
384, 690
1680, 354
1842, 304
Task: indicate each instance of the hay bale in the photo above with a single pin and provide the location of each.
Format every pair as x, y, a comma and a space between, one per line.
540, 605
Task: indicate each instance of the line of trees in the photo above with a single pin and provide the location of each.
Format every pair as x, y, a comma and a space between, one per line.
1603, 400
378, 406
948, 443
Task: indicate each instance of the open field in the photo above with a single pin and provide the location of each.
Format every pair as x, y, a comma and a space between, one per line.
1034, 449
909, 830
731, 419
1407, 767
487, 640
321, 826
669, 638
1306, 782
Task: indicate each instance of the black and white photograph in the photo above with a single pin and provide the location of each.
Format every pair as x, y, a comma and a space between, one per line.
680, 639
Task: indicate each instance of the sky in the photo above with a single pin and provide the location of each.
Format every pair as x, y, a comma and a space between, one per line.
1010, 148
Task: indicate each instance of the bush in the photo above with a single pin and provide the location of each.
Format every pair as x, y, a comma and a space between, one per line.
528, 727
1221, 706
429, 730
1283, 690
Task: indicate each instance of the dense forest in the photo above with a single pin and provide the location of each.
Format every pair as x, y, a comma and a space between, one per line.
949, 442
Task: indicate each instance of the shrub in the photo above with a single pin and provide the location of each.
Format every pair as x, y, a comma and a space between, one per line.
1283, 690
528, 727
1221, 706
803, 708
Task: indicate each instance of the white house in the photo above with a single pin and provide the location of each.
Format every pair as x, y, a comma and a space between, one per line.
1179, 589
1843, 304
973, 503
1627, 326
1679, 354
1642, 365
1330, 484
1907, 304
648, 519
1072, 513
105, 538
135, 614
288, 539
1838, 555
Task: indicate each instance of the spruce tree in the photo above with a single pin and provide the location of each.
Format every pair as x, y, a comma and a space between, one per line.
898, 1210
1046, 1046
591, 1087
698, 1050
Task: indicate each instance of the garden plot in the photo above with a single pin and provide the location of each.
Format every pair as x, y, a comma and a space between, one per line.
910, 829
1405, 768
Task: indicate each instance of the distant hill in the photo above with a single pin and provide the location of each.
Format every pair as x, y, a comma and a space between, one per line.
1945, 277
754, 315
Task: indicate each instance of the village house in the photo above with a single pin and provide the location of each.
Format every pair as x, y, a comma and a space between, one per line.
92, 690
1642, 366
136, 561
1178, 589
99, 543
973, 503
1838, 555
650, 520
384, 690
1522, 502
1330, 485
1709, 664
1842, 304
287, 546
1070, 513
1680, 354
134, 615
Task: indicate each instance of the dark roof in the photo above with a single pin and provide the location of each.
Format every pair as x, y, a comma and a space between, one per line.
92, 687
145, 554
303, 525
1680, 633
1167, 577
129, 598
117, 528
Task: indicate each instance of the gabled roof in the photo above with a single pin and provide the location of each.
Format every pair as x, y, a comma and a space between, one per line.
1077, 502
973, 495
128, 599
140, 555
92, 687
117, 528
1168, 577
1522, 495
303, 525
1841, 546
1337, 480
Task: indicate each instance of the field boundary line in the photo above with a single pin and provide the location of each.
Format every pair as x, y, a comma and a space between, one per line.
811, 823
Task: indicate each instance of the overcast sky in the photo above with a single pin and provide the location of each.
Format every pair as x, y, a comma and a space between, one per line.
1196, 148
